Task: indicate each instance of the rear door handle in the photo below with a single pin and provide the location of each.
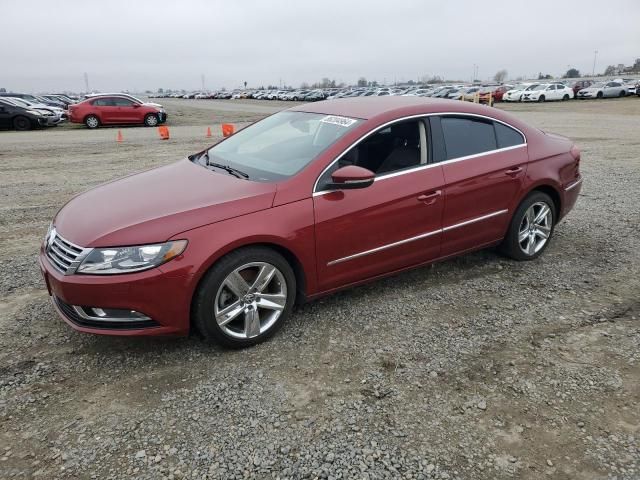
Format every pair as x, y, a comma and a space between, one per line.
512, 172
430, 198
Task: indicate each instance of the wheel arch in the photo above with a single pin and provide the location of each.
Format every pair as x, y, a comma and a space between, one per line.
291, 258
550, 190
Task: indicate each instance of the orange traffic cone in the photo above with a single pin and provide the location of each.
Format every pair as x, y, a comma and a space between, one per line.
163, 130
119, 137
227, 129
208, 132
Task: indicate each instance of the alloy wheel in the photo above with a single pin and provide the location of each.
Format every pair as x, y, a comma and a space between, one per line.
250, 300
151, 120
535, 228
92, 122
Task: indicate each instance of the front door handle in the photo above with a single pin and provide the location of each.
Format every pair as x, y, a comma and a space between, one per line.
430, 198
512, 172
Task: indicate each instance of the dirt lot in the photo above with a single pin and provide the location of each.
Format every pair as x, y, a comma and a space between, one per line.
476, 368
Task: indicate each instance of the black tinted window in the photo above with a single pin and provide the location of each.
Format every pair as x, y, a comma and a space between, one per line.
463, 136
507, 136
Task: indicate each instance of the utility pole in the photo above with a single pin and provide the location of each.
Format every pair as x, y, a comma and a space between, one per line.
86, 82
595, 55
202, 79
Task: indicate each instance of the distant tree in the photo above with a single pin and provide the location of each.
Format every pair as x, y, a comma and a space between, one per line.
245, 84
362, 82
636, 66
572, 73
500, 75
161, 90
610, 70
373, 84
434, 79
304, 85
3, 90
148, 91
411, 82
544, 77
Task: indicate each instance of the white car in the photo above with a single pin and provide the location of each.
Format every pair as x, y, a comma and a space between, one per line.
548, 91
515, 94
603, 90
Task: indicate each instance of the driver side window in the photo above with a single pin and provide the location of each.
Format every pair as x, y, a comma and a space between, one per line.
397, 147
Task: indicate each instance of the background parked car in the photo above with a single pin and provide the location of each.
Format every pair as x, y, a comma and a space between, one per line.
548, 91
20, 118
56, 114
579, 85
115, 109
603, 90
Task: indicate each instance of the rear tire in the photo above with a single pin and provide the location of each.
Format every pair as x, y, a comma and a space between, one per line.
623, 94
22, 123
565, 98
91, 121
151, 120
531, 228
234, 307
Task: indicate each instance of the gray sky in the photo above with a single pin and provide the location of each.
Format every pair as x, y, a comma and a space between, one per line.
140, 45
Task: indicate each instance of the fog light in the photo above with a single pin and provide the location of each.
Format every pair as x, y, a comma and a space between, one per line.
110, 314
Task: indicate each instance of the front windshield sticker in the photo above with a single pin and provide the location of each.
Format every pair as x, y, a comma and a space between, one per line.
342, 121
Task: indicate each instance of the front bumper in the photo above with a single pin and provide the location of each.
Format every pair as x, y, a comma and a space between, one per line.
163, 296
162, 117
530, 99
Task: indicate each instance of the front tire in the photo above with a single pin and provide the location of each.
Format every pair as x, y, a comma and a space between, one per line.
531, 228
245, 297
151, 120
600, 95
21, 123
541, 99
622, 94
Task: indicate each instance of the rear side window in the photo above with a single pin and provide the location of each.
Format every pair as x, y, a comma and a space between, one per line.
103, 102
507, 136
465, 136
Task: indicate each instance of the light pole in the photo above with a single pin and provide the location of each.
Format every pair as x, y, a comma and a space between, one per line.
595, 55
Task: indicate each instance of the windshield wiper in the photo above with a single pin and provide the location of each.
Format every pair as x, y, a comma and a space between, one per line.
233, 171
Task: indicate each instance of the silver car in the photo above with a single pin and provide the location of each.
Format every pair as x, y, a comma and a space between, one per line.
603, 89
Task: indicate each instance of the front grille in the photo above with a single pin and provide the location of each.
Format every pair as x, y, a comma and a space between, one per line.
64, 255
72, 314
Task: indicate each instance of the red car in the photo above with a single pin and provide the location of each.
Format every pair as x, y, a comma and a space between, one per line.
116, 110
308, 201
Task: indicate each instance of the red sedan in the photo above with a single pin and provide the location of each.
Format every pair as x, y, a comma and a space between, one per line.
308, 201
116, 110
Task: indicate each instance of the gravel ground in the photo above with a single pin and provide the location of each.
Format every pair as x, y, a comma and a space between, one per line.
475, 368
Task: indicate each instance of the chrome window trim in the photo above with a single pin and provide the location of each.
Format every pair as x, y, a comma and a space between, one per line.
573, 185
417, 237
412, 117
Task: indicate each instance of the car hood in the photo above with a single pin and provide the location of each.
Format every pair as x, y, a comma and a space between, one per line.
155, 205
151, 104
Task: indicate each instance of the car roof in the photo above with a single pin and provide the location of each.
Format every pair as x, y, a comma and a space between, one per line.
367, 108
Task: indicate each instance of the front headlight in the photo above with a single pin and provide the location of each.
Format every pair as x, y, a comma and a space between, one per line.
130, 259
35, 112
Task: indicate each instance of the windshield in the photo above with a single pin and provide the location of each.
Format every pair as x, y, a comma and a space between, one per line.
20, 102
597, 85
280, 145
540, 87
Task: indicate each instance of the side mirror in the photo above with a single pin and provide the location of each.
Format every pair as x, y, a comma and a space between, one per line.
136, 105
351, 177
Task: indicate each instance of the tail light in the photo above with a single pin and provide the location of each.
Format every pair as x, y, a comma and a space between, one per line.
575, 153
